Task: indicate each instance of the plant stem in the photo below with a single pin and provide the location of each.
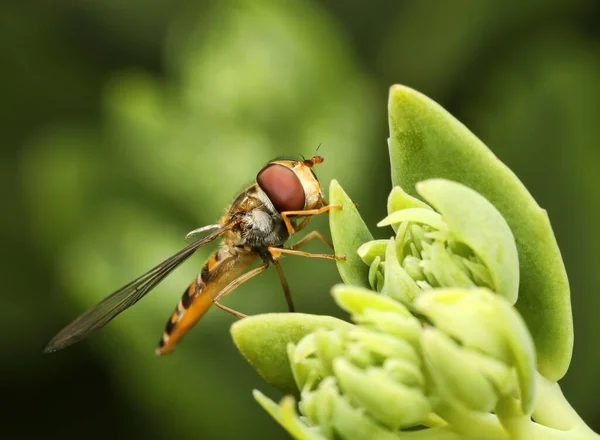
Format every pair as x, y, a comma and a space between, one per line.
554, 417
554, 411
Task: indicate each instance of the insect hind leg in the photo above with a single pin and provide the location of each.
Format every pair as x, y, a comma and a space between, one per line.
285, 286
235, 313
234, 284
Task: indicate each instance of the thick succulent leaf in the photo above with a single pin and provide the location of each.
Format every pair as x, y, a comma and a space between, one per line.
356, 301
348, 232
427, 142
399, 200
424, 216
263, 341
371, 250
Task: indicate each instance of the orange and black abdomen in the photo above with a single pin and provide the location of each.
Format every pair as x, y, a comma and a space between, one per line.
221, 269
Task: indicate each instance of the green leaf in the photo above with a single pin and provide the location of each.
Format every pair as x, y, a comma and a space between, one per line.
399, 199
427, 142
285, 414
357, 300
263, 341
371, 250
416, 215
348, 232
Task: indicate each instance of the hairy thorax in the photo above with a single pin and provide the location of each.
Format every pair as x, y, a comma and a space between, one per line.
260, 225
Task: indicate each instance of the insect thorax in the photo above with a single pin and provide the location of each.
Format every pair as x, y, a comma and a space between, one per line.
261, 225
264, 226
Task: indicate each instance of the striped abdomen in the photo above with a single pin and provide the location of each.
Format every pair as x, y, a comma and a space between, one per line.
221, 268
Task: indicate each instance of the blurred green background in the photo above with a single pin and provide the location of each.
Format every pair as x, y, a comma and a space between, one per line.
127, 124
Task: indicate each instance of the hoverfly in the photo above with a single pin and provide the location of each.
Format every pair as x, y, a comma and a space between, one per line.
260, 220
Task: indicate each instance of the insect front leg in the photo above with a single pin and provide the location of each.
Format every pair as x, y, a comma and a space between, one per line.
308, 213
311, 236
277, 252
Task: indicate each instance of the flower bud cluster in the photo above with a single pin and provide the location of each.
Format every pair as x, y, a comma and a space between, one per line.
436, 346
466, 244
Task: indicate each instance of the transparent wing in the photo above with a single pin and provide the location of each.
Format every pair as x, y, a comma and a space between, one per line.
100, 314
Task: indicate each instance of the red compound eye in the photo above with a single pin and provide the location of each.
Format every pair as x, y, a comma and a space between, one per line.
282, 186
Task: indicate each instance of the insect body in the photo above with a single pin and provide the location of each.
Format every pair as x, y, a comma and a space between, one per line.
285, 196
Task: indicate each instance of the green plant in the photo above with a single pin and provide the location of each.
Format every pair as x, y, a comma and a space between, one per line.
461, 320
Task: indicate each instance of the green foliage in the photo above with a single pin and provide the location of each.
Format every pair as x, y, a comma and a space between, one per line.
347, 222
437, 347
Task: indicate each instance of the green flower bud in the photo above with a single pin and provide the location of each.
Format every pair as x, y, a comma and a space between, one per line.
378, 313
328, 415
286, 416
263, 341
393, 404
486, 323
475, 223
352, 423
384, 346
319, 406
463, 376
376, 278
466, 244
460, 365
378, 372
397, 282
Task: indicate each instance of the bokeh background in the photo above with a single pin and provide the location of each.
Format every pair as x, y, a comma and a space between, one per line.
125, 124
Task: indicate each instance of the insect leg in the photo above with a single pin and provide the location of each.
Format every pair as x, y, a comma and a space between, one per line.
308, 212
285, 286
310, 236
230, 310
276, 253
235, 283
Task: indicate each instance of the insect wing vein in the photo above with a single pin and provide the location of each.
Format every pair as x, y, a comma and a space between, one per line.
100, 314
